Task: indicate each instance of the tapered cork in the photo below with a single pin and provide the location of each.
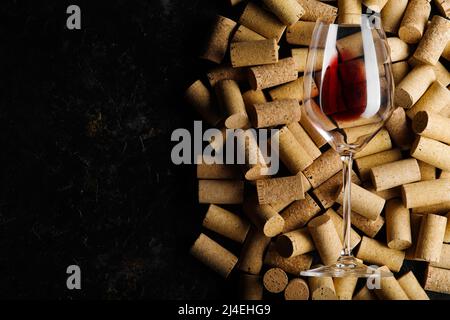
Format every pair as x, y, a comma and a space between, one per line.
213, 255
275, 280
299, 213
432, 125
220, 191
349, 11
315, 10
414, 85
309, 127
345, 286
437, 280
199, 97
381, 142
399, 129
365, 294
322, 288
230, 98
280, 189
414, 21
305, 141
295, 243
300, 56
412, 287
426, 193
364, 202
339, 226
434, 41
245, 34
226, 223
432, 152
431, 237
217, 44
271, 75
252, 253
293, 265
300, 33
392, 15
226, 73
323, 168
375, 5
444, 259
447, 230
398, 226
440, 208
253, 53
394, 174
390, 288
250, 287
400, 50
368, 227
415, 222
364, 164
399, 71
326, 239
274, 113
375, 252
297, 289
263, 216
287, 11
262, 22
217, 171
293, 90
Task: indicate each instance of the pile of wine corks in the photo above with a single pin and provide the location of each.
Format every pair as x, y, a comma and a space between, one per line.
292, 221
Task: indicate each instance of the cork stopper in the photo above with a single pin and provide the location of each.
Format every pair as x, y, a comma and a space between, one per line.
288, 11
230, 98
198, 96
250, 287
381, 142
300, 33
323, 168
297, 289
399, 71
218, 40
400, 50
349, 11
271, 75
252, 253
414, 85
375, 252
274, 113
375, 5
275, 280
305, 141
264, 217
293, 265
444, 259
392, 14
364, 164
426, 193
217, 171
412, 287
315, 10
432, 125
220, 191
226, 223
414, 21
390, 288
369, 227
339, 226
431, 237
437, 280
262, 22
326, 239
253, 53
293, 90
399, 129
245, 34
295, 243
394, 174
301, 54
225, 72
432, 152
345, 286
398, 226
365, 294
322, 288
280, 189
299, 213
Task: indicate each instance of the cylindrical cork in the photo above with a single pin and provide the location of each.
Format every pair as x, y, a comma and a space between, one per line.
432, 125
322, 288
280, 189
217, 171
300, 33
291, 153
264, 217
365, 294
368, 227
387, 194
366, 163
414, 85
226, 223
293, 265
446, 52
431, 237
399, 71
381, 142
274, 113
345, 287
295, 243
364, 202
226, 72
414, 21
352, 135
398, 226
443, 7
252, 253
350, 47
262, 22
399, 49
390, 288
412, 287
300, 56
339, 225
437, 280
297, 289
375, 5
442, 74
213, 255
288, 11
245, 34
304, 139
309, 127
432, 152
325, 238
253, 53
447, 230
315, 10
250, 287
275, 280
426, 193
399, 129
440, 208
415, 222
435, 99
230, 98
349, 11
218, 40
198, 96
444, 259
253, 96
394, 174
392, 15
434, 41
299, 213
293, 90
375, 252
221, 191
323, 168
271, 75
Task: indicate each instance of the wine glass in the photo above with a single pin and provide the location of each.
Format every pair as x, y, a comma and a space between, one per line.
348, 96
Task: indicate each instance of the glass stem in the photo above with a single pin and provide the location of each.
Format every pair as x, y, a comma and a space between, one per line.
347, 160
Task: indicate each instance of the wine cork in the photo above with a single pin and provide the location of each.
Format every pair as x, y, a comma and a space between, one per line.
415, 222
245, 34
434, 41
364, 202
230, 98
399, 70
299, 213
309, 127
375, 252
368, 227
326, 239
399, 49
439, 208
293, 265
217, 44
364, 164
226, 223
381, 142
252, 53
375, 5
345, 287
413, 86
365, 294
274, 113
446, 52
252, 97
393, 174
349, 11
426, 193
432, 152
198, 96
300, 56
295, 243
305, 141
360, 133
255, 164
226, 73
443, 7
339, 226
280, 189
271, 75
264, 217
442, 74
323, 168
250, 287
251, 258
300, 33
435, 99
213, 255
291, 153
447, 230
315, 10
412, 287
431, 237
399, 129
262, 22
432, 125
392, 15
293, 90
414, 21
275, 280
387, 194
322, 288
390, 288
444, 259
297, 289
437, 280
288, 11
221, 191
398, 227
217, 171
